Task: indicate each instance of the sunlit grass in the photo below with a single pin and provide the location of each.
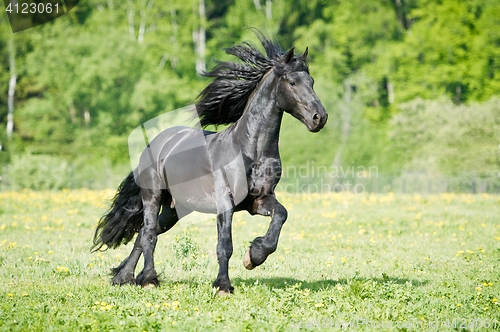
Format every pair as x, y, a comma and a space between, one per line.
342, 258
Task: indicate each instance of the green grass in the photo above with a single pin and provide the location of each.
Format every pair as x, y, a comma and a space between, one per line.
380, 261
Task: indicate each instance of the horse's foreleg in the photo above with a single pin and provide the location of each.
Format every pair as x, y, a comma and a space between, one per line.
151, 204
225, 210
224, 252
265, 245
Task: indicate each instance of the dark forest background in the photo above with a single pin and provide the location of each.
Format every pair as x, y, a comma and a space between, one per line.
412, 87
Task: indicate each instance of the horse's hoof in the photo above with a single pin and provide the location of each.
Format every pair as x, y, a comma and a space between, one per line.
120, 281
223, 293
149, 286
123, 283
247, 262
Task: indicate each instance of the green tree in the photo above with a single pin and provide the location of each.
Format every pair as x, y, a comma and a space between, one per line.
451, 49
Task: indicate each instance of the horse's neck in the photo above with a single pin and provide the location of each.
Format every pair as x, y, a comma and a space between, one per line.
259, 127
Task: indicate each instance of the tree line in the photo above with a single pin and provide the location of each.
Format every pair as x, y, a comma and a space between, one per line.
410, 85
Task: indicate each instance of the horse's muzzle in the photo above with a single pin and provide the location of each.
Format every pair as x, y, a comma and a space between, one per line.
318, 121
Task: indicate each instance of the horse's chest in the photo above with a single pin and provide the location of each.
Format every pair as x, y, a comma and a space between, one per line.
264, 176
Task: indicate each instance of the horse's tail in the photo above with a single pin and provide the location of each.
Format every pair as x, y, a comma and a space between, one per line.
124, 219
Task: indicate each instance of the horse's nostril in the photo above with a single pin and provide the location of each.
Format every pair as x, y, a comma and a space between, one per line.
315, 117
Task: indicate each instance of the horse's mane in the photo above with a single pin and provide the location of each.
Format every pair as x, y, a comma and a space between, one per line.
223, 100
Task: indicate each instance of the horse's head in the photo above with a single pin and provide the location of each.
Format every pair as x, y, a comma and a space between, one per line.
295, 92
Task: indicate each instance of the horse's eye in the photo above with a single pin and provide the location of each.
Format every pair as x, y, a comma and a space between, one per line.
292, 83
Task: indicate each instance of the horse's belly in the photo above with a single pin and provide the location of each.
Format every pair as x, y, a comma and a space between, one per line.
200, 193
200, 189
197, 194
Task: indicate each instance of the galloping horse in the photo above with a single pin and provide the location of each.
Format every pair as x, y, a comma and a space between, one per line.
187, 169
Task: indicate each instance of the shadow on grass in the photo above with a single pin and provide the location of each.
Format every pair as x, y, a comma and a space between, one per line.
279, 282
319, 285
357, 284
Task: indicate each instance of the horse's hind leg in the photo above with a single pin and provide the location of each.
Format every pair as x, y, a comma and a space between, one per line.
124, 274
151, 199
265, 245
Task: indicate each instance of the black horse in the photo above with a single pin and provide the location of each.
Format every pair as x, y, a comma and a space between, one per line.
186, 169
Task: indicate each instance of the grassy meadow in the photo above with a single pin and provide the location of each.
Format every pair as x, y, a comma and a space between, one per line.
344, 262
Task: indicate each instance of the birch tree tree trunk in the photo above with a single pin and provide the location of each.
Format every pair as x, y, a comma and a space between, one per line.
12, 87
390, 92
269, 9
199, 38
130, 19
146, 6
174, 39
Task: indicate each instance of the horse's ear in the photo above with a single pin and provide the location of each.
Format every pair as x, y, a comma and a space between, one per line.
304, 55
289, 55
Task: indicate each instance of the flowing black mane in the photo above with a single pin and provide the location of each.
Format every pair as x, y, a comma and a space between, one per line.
223, 100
